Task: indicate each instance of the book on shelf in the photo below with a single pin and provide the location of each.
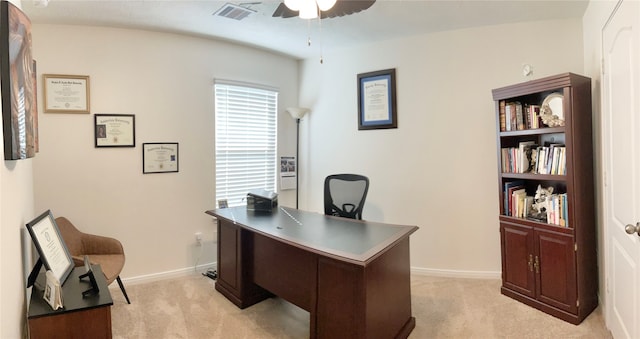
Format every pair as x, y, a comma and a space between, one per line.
503, 119
533, 116
509, 187
514, 119
551, 159
525, 152
520, 123
557, 210
521, 159
516, 116
509, 116
517, 198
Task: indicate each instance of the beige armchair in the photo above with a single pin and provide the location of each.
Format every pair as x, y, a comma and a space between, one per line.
104, 251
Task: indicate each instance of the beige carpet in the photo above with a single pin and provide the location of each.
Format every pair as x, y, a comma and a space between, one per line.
189, 307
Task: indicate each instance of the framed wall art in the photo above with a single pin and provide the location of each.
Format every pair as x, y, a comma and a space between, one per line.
17, 75
115, 130
160, 157
66, 93
377, 100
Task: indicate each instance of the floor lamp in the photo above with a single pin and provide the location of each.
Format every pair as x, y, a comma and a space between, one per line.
297, 113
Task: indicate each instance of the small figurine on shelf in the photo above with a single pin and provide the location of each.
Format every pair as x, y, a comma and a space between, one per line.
539, 207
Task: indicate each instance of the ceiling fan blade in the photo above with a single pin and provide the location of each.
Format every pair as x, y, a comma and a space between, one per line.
284, 12
341, 8
347, 7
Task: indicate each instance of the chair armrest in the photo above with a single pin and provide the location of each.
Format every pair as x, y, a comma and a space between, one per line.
78, 260
96, 244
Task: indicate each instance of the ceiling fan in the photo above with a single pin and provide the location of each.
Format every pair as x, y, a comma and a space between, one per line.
340, 8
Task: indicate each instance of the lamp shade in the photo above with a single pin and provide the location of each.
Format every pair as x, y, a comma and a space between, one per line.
298, 112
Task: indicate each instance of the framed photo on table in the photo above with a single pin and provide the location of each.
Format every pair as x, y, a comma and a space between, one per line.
377, 100
115, 130
52, 249
66, 93
159, 157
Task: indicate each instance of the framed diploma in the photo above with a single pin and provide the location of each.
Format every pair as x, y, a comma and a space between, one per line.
52, 249
159, 157
115, 130
66, 93
377, 100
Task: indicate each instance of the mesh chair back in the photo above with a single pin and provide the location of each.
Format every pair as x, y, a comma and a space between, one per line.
344, 195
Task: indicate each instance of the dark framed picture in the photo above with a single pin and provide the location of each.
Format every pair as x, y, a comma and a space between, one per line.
115, 130
53, 251
159, 157
18, 85
377, 100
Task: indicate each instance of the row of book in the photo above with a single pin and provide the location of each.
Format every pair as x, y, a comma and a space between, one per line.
530, 157
515, 116
520, 205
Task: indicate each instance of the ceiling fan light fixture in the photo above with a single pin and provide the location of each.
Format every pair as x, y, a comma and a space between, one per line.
325, 5
308, 9
293, 5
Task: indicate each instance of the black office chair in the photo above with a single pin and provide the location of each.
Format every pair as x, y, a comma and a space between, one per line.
344, 195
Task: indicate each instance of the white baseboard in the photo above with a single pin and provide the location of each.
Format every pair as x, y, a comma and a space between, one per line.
141, 279
414, 270
456, 273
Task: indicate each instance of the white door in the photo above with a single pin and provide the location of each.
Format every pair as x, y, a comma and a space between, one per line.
621, 152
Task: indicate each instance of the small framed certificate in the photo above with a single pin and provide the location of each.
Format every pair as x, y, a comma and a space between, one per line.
377, 100
115, 130
159, 157
66, 93
52, 249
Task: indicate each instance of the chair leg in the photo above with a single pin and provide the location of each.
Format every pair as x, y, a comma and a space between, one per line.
123, 290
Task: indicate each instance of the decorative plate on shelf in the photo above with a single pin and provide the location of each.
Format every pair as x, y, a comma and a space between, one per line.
551, 111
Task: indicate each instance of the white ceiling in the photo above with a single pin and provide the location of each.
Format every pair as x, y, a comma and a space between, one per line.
386, 19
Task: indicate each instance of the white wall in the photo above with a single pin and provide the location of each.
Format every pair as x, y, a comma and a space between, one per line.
166, 80
438, 169
16, 209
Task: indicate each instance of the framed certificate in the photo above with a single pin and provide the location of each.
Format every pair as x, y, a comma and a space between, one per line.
115, 130
159, 157
66, 93
52, 249
377, 100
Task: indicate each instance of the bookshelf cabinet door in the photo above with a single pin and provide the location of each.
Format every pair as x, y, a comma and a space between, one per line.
517, 258
556, 280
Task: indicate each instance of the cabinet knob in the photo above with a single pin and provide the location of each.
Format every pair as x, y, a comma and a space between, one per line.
630, 229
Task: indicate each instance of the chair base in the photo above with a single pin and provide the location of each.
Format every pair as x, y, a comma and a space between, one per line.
123, 290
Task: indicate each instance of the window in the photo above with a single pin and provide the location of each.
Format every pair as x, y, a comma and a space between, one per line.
246, 134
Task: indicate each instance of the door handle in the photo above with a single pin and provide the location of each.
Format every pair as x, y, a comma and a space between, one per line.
630, 229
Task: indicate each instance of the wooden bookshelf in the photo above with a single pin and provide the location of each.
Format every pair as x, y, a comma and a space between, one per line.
550, 266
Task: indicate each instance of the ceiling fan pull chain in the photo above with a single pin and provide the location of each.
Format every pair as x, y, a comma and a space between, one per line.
308, 32
321, 41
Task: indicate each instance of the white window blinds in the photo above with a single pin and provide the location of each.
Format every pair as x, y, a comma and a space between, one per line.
246, 134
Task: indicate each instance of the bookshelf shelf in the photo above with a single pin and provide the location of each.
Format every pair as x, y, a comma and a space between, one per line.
549, 263
533, 131
532, 176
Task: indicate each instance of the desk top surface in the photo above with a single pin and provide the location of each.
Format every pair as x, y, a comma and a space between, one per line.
357, 241
71, 293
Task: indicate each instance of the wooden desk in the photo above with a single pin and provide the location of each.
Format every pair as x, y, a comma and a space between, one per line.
88, 317
351, 276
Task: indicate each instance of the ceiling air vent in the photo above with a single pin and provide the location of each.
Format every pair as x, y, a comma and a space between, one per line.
232, 11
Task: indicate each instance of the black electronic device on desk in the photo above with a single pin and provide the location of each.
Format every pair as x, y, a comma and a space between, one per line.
261, 201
